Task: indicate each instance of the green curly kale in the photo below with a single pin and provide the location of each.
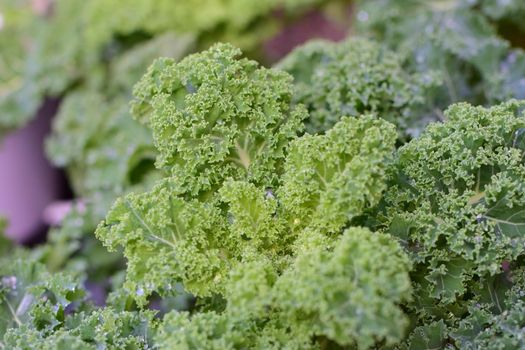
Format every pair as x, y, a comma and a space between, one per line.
494, 321
80, 141
62, 57
214, 116
432, 335
163, 221
164, 15
457, 202
241, 230
270, 265
352, 78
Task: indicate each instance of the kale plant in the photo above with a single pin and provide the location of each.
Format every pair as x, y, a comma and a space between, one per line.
366, 194
242, 203
355, 77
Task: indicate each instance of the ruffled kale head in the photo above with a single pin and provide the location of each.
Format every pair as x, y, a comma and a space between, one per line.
215, 116
348, 289
352, 78
457, 203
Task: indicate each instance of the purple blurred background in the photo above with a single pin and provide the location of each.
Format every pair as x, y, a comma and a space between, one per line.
28, 183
